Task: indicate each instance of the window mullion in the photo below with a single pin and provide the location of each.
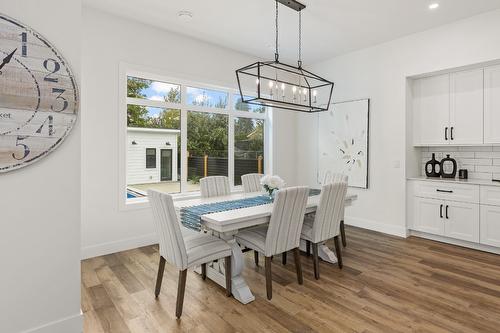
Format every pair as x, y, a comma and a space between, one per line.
184, 152
231, 150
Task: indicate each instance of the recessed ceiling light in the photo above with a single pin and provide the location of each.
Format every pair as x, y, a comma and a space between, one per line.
433, 6
185, 15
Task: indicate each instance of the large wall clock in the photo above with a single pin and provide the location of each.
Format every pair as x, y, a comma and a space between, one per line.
38, 96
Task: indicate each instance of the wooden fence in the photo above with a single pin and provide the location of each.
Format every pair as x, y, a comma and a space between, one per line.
203, 166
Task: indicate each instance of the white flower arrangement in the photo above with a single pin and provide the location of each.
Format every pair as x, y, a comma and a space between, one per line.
272, 183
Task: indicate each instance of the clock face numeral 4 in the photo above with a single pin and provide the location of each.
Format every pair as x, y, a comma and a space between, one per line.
39, 99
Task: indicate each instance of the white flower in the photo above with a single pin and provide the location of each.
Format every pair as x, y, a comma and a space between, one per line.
273, 182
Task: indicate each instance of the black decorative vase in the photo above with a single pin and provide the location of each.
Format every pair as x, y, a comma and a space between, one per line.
448, 167
433, 167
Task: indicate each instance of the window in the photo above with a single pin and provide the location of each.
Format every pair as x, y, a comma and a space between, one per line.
189, 131
150, 158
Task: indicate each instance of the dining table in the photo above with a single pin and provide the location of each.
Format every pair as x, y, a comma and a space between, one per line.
225, 224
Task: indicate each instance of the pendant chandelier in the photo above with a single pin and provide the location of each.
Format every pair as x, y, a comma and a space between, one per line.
278, 85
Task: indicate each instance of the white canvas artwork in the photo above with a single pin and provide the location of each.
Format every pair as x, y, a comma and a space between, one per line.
343, 141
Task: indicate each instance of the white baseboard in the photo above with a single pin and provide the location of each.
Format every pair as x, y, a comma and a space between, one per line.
117, 246
72, 324
390, 229
442, 239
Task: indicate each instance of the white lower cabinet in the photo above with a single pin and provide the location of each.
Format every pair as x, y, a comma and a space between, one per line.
490, 225
462, 221
457, 220
429, 216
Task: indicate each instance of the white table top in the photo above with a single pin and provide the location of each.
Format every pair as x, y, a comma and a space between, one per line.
232, 220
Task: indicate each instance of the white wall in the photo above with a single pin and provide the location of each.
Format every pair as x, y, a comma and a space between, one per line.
380, 73
107, 41
40, 205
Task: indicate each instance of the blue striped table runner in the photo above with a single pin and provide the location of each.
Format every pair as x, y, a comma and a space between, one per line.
191, 216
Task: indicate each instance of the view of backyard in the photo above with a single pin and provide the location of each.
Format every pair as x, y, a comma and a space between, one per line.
207, 133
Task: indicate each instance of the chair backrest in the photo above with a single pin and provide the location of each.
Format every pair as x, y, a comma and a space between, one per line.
214, 186
330, 211
331, 177
172, 246
286, 221
251, 182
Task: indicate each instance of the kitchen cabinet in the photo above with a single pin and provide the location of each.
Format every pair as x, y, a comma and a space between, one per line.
466, 107
492, 105
431, 109
490, 225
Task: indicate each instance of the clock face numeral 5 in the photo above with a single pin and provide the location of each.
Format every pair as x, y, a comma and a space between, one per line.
39, 99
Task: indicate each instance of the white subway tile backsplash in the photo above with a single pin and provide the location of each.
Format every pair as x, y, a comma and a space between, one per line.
481, 162
491, 154
476, 161
475, 149
490, 168
480, 175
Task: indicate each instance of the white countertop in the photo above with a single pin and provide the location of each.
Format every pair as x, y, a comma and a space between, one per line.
485, 182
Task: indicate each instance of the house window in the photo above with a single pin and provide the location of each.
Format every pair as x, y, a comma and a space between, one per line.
150, 158
197, 129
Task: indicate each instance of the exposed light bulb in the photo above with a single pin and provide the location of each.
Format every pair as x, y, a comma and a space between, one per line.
294, 90
433, 6
257, 81
271, 88
315, 93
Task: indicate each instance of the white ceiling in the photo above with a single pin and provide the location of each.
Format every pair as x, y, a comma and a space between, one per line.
330, 27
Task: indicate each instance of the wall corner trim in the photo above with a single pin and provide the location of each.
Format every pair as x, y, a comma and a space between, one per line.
71, 324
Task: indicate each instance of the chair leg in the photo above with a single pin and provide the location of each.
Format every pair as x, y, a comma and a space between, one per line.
204, 271
159, 278
342, 233
338, 251
256, 257
181, 288
269, 281
283, 258
308, 248
315, 260
227, 266
298, 265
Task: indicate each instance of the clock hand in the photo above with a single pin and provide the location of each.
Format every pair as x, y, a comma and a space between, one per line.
6, 60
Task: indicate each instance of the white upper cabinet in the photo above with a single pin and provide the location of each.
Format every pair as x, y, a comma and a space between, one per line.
492, 105
466, 107
431, 109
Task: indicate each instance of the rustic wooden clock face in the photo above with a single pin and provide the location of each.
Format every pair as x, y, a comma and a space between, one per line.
38, 96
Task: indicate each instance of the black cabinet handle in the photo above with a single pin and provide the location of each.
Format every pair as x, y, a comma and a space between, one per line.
444, 191
451, 133
441, 211
446, 133
447, 211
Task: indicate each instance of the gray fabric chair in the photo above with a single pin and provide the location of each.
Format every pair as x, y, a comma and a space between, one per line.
184, 250
283, 232
329, 178
214, 186
325, 224
251, 182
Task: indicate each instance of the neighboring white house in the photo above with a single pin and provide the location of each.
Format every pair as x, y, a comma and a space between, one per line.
151, 155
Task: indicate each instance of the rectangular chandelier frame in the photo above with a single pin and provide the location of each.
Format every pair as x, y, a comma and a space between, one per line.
260, 72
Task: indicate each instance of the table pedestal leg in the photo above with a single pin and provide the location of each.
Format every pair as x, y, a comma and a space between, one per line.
324, 252
216, 272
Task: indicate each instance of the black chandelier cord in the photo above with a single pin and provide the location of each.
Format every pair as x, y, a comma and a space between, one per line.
276, 53
300, 40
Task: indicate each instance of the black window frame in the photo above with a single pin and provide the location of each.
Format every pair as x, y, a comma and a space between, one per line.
150, 158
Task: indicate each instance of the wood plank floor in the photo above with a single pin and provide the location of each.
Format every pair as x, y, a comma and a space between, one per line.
388, 284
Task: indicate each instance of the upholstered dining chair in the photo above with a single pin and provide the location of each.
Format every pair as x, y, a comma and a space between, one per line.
325, 224
214, 186
329, 178
184, 251
251, 182
283, 232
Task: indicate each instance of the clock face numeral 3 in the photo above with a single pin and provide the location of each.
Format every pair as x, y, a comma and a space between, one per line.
39, 100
